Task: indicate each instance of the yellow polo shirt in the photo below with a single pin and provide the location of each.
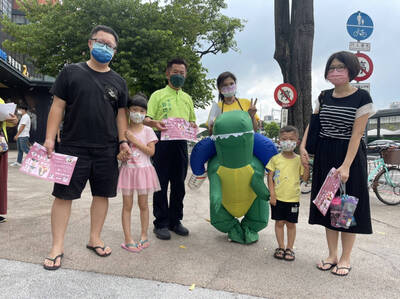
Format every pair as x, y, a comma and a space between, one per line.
245, 103
168, 102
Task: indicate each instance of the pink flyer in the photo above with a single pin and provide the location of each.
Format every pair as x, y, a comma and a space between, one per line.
327, 191
58, 168
178, 129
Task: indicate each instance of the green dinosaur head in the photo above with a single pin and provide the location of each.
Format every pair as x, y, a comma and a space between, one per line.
234, 138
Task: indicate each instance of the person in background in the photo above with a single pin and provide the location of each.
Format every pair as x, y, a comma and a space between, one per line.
9, 122
22, 136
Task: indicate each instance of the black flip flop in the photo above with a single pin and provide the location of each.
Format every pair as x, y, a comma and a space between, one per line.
54, 267
289, 252
278, 253
341, 268
323, 265
98, 247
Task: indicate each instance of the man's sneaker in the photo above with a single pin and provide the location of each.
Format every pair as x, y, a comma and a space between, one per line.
15, 164
2, 219
179, 229
162, 233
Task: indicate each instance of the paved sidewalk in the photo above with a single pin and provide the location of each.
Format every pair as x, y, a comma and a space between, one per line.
205, 258
23, 280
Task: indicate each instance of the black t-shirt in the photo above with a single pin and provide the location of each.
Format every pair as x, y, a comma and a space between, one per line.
337, 115
90, 113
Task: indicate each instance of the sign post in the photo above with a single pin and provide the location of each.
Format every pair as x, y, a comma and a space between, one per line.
360, 27
284, 117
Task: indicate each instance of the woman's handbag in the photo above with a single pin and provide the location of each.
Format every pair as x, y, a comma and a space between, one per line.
314, 128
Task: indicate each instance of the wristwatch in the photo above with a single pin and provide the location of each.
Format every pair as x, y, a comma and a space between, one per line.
123, 141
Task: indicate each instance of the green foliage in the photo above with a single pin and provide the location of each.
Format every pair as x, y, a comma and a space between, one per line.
151, 33
271, 130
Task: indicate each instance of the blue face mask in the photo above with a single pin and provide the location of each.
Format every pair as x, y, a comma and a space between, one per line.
101, 53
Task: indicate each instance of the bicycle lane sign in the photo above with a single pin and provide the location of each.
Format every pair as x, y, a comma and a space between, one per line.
359, 26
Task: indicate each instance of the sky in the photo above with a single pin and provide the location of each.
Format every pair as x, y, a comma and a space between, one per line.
258, 74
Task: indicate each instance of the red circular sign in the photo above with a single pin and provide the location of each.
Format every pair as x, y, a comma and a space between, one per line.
285, 95
366, 67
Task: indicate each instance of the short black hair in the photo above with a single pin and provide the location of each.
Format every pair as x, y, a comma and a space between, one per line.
138, 99
23, 106
349, 59
289, 129
177, 61
221, 78
104, 28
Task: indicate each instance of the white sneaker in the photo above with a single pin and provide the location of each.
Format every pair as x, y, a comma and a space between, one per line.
15, 164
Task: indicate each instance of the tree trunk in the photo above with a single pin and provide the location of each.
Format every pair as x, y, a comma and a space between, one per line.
294, 37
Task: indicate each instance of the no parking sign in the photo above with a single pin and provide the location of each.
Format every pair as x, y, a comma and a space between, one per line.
285, 95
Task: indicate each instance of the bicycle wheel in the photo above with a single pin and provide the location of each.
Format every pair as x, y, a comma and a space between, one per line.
386, 186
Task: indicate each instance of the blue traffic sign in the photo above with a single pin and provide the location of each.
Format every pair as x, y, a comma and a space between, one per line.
359, 26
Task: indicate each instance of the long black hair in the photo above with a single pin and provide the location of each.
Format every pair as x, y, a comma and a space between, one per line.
221, 78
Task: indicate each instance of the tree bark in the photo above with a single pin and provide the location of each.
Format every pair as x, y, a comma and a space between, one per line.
294, 35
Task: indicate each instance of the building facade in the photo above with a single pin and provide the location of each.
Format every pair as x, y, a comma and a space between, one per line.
19, 81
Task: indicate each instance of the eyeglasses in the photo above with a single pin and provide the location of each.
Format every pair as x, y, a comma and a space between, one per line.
339, 68
108, 47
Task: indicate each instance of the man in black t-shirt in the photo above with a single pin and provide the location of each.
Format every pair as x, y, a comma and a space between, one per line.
93, 98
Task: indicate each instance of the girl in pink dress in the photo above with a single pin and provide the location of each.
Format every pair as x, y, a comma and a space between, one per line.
137, 174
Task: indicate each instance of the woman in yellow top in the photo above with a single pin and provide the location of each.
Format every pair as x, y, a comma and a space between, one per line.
9, 122
226, 84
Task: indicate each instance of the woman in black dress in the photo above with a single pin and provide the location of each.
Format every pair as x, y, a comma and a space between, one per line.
344, 114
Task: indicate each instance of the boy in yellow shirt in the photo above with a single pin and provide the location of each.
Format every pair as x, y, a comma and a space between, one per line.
284, 172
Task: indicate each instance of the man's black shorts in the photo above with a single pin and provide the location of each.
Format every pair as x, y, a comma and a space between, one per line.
98, 165
288, 211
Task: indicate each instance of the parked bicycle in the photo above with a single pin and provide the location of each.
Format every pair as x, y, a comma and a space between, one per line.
384, 177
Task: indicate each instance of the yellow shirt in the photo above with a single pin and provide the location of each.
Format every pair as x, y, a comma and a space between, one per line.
287, 173
244, 103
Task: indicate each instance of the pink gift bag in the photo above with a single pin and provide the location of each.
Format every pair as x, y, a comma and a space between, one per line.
327, 191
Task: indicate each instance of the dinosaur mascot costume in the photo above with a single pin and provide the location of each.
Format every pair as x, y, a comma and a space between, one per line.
236, 164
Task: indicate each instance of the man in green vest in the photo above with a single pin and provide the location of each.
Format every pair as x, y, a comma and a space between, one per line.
171, 156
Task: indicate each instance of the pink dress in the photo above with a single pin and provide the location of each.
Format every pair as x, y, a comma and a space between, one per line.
138, 174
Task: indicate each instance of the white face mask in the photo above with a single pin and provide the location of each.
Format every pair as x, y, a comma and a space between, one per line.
229, 91
288, 145
136, 117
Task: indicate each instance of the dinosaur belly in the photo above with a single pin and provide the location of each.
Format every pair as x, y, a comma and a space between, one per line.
237, 194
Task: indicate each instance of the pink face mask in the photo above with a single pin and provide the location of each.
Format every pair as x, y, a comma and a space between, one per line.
338, 78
